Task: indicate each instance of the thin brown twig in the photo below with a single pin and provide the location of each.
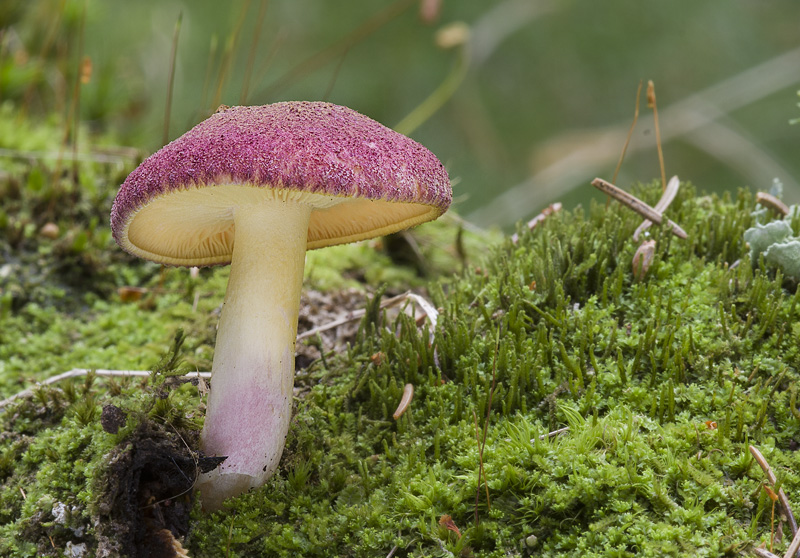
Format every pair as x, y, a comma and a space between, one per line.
651, 102
637, 205
554, 433
533, 223
426, 306
764, 553
794, 546
78, 372
630, 132
784, 501
210, 63
335, 75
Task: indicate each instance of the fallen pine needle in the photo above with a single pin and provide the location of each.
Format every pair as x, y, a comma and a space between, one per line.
637, 205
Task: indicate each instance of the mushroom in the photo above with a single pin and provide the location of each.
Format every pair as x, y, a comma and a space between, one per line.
256, 187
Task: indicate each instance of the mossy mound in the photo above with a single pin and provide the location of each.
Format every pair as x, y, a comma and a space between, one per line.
663, 381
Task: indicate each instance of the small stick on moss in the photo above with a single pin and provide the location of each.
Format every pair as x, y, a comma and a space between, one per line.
426, 306
764, 553
669, 194
546, 212
637, 205
771, 202
793, 547
773, 480
554, 433
78, 372
405, 401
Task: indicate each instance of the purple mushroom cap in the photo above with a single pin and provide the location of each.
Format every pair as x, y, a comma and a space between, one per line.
388, 181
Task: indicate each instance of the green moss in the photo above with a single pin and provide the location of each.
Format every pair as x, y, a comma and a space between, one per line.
663, 381
638, 370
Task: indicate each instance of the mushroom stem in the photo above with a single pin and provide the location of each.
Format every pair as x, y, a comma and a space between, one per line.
250, 403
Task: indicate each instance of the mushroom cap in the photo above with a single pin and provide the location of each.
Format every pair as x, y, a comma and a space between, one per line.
361, 178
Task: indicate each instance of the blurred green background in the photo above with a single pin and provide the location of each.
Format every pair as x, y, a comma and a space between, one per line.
534, 103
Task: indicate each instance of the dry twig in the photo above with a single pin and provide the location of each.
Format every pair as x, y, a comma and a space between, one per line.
784, 501
425, 305
554, 433
78, 372
637, 205
546, 212
794, 546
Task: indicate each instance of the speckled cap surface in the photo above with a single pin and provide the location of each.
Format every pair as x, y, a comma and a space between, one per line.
375, 181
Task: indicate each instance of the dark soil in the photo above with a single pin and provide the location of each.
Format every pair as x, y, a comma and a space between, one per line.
149, 489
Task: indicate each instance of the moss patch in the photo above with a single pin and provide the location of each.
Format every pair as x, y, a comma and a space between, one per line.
663, 382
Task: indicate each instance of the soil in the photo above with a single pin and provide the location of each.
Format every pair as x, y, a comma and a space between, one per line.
149, 490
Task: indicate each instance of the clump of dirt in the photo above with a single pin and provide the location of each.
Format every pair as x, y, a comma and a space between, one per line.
148, 490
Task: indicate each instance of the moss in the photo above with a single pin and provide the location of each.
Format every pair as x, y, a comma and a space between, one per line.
663, 382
